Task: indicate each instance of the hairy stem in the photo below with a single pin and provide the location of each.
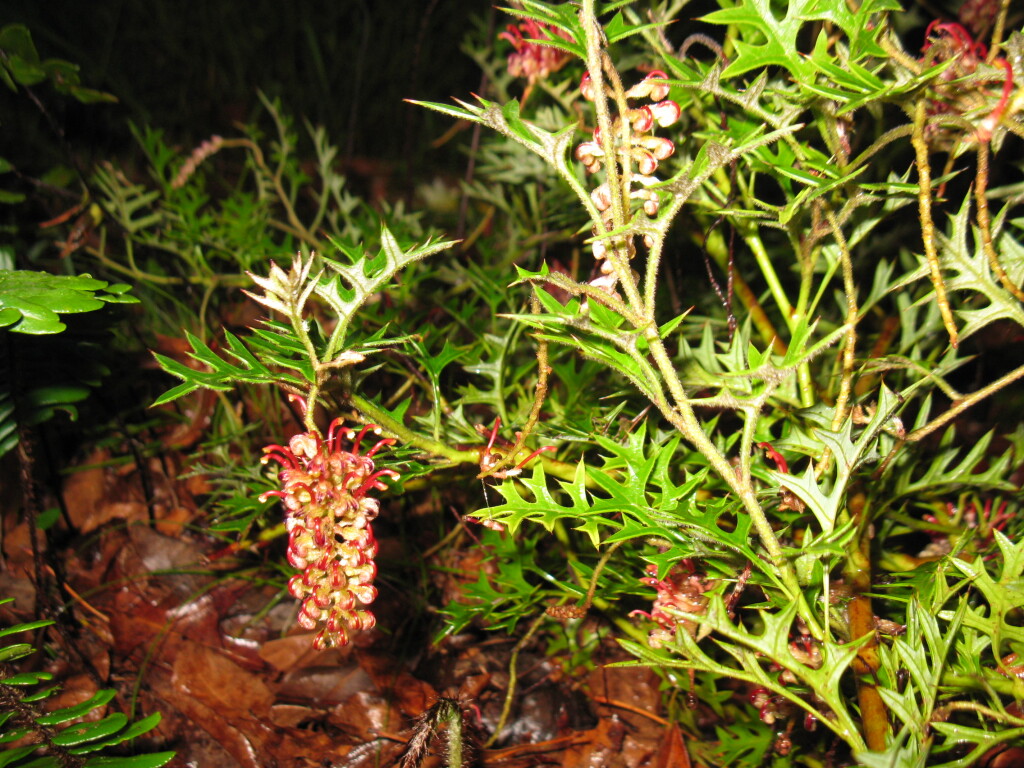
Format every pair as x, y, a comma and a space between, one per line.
924, 205
985, 223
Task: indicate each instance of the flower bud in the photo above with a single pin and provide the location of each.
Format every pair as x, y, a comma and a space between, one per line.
641, 118
651, 87
645, 161
665, 113
602, 197
658, 146
587, 87
587, 151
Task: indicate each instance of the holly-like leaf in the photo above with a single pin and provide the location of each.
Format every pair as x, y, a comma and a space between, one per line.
348, 286
764, 39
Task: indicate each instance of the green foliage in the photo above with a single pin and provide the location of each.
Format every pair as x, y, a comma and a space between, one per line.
31, 302
61, 737
749, 437
21, 65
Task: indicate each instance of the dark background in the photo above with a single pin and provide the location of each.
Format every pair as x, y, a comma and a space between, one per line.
193, 69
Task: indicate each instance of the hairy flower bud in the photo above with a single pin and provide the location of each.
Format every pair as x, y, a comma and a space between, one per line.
641, 118
602, 197
665, 112
651, 87
658, 146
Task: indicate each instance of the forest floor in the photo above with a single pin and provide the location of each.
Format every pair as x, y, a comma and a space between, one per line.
149, 604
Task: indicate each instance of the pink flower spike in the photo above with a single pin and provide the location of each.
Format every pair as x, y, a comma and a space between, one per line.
665, 113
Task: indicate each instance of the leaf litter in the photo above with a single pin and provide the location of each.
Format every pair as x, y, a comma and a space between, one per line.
211, 644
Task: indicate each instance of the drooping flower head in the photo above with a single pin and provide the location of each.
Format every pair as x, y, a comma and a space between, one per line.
531, 60
681, 591
325, 488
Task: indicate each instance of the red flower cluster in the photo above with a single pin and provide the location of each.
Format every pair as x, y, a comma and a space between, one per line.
324, 490
531, 60
681, 591
946, 41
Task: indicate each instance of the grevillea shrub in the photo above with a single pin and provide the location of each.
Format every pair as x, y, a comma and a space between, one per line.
712, 341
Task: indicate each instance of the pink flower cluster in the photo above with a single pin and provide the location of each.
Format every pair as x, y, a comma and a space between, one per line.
324, 490
681, 591
531, 60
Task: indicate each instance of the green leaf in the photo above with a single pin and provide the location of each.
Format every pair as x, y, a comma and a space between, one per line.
30, 302
17, 651
12, 756
26, 627
155, 760
9, 198
617, 28
764, 39
16, 40
275, 346
563, 17
97, 700
352, 284
76, 735
967, 270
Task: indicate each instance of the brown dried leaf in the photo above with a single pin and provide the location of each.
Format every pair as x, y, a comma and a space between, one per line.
672, 751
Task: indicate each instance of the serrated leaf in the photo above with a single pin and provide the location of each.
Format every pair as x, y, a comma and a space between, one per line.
274, 345
967, 269
764, 39
350, 285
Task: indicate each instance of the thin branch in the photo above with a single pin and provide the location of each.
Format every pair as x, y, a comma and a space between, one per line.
985, 223
924, 204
